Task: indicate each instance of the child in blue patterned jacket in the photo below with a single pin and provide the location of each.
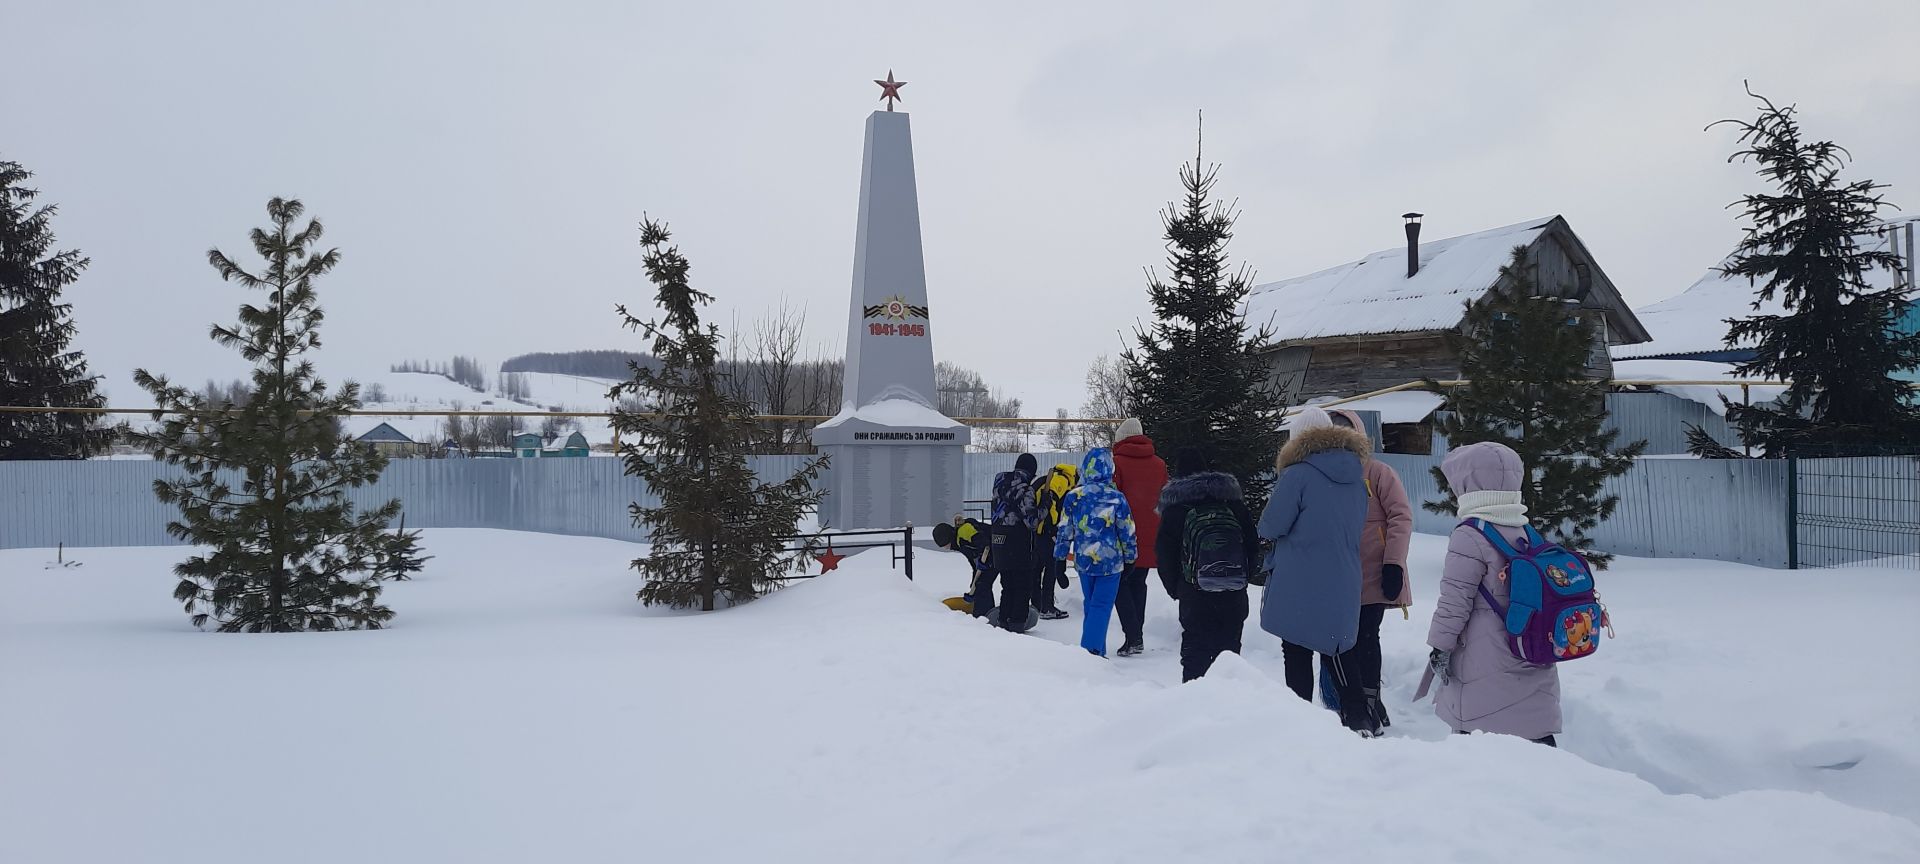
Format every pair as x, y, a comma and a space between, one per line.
1096, 528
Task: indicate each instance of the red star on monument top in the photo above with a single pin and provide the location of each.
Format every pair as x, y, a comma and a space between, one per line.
829, 561
890, 89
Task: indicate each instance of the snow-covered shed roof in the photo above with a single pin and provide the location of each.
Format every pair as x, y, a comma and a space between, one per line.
562, 442
1406, 406
1696, 370
1695, 320
1374, 295
384, 433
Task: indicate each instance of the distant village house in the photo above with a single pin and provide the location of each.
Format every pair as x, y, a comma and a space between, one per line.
529, 445
391, 442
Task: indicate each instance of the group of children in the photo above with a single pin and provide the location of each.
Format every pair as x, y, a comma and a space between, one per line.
1332, 543
1114, 525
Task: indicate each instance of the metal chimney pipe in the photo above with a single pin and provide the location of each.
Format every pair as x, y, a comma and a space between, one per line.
1413, 242
1913, 261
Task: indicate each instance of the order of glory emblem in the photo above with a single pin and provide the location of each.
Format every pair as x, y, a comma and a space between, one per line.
895, 308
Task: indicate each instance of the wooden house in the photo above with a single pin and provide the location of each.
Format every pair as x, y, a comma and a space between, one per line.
389, 441
1384, 320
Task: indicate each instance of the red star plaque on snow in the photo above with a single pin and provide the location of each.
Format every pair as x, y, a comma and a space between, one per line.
828, 560
890, 89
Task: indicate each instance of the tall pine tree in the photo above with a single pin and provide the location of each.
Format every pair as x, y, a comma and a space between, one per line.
266, 484
36, 367
1197, 376
1525, 356
1836, 344
718, 532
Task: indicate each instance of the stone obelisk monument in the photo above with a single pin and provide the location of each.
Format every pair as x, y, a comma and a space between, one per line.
896, 458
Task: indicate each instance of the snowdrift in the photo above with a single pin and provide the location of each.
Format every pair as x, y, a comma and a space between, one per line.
525, 708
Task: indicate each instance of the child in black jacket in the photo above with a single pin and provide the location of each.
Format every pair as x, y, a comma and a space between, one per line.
1213, 610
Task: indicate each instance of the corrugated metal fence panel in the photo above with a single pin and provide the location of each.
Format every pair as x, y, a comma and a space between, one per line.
1661, 419
981, 468
1416, 474
1730, 510
111, 503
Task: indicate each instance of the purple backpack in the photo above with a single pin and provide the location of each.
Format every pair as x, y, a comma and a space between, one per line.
1553, 613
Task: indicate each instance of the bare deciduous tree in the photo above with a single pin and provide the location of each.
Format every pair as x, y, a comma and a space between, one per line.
1106, 397
1060, 435
767, 368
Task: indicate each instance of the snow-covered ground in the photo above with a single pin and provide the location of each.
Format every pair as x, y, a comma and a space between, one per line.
526, 708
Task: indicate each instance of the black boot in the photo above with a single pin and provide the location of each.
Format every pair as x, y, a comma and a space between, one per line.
1360, 720
1376, 707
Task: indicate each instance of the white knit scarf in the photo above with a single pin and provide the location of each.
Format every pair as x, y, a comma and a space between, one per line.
1500, 508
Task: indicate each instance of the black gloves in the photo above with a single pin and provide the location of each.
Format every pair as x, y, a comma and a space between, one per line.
1441, 662
1393, 577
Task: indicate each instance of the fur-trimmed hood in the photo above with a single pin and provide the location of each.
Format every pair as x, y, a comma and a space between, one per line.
1307, 442
1204, 487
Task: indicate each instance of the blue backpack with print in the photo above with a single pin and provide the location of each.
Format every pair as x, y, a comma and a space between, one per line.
1553, 614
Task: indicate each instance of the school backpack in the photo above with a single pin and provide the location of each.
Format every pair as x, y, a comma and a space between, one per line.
1050, 490
1553, 613
1213, 549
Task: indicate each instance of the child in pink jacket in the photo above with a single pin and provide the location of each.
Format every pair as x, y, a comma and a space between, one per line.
1383, 564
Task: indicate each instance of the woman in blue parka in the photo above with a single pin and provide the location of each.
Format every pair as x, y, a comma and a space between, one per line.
1314, 516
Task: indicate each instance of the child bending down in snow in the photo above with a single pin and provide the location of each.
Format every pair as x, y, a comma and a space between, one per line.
968, 537
1096, 528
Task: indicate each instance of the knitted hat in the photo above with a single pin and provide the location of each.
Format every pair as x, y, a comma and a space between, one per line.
1308, 418
1128, 428
1026, 463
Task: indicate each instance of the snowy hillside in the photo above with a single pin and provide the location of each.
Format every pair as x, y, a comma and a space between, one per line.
419, 391
852, 718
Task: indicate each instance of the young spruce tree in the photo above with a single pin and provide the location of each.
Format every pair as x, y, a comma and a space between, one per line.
1836, 343
36, 367
718, 531
1525, 356
266, 484
1197, 375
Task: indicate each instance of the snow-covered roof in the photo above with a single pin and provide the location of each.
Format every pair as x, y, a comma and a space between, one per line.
1695, 370
384, 433
562, 442
1695, 320
1375, 295
1406, 406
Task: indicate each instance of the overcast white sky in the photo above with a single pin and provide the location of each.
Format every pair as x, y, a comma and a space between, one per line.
482, 166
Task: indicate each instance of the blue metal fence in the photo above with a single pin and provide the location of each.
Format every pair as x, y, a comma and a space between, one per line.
1730, 510
111, 503
1733, 510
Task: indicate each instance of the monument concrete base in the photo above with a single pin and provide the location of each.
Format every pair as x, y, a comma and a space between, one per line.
889, 486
